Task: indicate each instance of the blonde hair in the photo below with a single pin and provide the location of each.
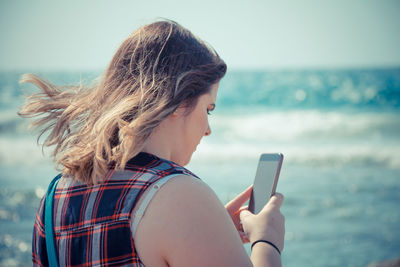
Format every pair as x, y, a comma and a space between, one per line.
158, 68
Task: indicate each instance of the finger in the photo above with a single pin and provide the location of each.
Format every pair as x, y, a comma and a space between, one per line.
244, 237
239, 200
245, 213
280, 197
239, 210
244, 208
275, 201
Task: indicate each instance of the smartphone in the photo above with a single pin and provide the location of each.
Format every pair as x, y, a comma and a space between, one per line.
265, 182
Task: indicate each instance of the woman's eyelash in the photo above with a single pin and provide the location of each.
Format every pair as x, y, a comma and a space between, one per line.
210, 109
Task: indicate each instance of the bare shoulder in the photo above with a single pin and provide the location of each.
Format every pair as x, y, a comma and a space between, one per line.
185, 224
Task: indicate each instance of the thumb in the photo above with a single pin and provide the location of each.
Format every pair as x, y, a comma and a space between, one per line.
239, 200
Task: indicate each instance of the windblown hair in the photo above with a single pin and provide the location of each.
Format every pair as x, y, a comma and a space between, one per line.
158, 68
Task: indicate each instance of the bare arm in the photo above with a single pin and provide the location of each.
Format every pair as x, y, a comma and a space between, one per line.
186, 225
268, 225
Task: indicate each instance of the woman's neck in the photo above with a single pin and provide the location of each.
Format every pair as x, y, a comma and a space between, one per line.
160, 141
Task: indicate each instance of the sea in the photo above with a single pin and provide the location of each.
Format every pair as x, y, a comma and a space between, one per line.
339, 131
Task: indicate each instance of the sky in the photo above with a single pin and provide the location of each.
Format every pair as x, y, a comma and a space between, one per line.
251, 34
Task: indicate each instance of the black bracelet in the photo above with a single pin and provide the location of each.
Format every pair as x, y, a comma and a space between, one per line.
265, 241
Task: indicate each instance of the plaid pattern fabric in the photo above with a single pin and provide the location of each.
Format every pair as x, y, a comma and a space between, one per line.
92, 223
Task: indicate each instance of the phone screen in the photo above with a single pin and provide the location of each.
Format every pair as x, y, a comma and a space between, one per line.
265, 181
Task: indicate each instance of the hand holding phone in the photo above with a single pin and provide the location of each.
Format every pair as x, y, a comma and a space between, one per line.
265, 181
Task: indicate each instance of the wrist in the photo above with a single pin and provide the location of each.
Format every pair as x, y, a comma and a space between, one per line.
265, 255
263, 242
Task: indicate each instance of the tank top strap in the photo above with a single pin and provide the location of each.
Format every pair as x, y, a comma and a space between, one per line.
139, 211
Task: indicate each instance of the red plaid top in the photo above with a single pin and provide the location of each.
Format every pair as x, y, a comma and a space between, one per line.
92, 223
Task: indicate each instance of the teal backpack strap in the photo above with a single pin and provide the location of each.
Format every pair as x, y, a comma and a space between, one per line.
48, 222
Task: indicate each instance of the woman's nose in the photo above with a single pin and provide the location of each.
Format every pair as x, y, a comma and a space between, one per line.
208, 132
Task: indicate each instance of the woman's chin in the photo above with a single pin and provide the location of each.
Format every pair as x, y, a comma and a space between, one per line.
186, 161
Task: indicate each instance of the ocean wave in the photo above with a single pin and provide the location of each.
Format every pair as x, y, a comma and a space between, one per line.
299, 89
328, 155
11, 123
276, 126
305, 125
313, 89
17, 211
14, 152
23, 151
306, 137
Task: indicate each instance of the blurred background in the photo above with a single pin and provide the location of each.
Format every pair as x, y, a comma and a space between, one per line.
318, 81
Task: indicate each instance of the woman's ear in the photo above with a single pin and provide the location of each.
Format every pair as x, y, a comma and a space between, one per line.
174, 114
180, 111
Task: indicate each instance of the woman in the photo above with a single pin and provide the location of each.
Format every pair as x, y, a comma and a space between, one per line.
124, 197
